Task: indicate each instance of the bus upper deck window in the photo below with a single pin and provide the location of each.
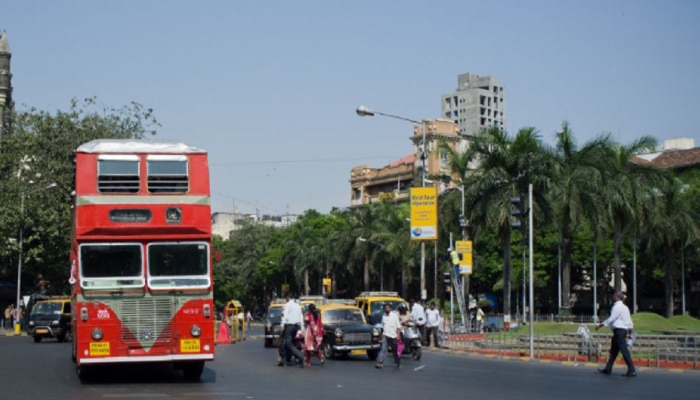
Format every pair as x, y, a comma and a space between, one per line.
167, 174
118, 174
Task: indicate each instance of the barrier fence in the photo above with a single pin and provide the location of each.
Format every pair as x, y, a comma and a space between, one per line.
648, 350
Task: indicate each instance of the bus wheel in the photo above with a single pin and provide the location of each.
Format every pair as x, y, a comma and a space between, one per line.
193, 370
66, 337
83, 373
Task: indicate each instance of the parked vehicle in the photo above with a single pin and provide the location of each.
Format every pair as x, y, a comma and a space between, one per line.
50, 318
347, 332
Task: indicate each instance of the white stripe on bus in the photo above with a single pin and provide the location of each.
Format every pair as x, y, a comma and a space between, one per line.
142, 200
172, 357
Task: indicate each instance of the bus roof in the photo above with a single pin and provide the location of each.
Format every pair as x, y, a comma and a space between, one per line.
137, 146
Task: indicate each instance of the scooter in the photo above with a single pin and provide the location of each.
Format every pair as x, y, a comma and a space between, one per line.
412, 340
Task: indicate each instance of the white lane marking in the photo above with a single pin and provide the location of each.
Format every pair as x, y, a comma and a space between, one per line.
134, 395
418, 368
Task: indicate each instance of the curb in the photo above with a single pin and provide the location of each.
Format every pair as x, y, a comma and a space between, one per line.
640, 365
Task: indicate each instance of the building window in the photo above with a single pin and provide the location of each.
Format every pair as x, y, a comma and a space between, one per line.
118, 174
167, 174
444, 159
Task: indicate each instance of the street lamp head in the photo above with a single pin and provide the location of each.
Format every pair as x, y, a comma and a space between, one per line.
363, 111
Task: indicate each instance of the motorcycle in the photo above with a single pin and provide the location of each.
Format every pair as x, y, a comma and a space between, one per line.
412, 340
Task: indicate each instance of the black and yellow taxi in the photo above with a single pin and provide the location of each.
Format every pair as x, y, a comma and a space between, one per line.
372, 304
50, 318
273, 323
347, 332
306, 301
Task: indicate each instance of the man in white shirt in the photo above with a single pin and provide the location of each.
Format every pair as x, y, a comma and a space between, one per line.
391, 329
292, 322
418, 313
432, 321
621, 324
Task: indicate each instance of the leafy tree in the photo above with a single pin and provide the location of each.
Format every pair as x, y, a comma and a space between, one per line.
39, 151
506, 167
671, 225
576, 174
624, 187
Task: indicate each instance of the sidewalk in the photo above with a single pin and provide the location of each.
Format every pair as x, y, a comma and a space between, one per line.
11, 332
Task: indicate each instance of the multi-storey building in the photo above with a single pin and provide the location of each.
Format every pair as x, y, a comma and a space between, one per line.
477, 103
224, 223
393, 181
6, 103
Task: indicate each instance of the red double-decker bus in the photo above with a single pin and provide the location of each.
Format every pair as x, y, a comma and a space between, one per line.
141, 256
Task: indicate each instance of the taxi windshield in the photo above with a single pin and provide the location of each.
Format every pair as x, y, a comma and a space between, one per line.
343, 316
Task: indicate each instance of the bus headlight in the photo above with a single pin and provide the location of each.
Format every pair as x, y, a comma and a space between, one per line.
97, 334
83, 314
207, 311
195, 331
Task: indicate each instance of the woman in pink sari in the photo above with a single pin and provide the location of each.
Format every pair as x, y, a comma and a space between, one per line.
313, 335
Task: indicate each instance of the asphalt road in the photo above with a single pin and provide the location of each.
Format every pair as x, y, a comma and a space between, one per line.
246, 370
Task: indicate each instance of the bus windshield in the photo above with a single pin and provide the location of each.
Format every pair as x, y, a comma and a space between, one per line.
178, 265
109, 265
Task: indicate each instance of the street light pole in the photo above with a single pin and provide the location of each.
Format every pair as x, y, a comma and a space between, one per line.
363, 111
18, 327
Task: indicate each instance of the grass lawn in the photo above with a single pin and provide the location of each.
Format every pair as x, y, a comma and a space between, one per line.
644, 323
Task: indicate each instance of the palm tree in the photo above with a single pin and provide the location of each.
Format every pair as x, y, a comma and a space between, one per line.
363, 222
576, 174
506, 167
671, 225
622, 189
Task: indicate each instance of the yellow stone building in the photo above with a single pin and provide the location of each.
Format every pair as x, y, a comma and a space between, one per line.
393, 181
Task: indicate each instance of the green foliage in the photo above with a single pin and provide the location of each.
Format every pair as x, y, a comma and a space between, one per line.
37, 152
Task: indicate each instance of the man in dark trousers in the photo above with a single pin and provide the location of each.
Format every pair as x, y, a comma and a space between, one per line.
621, 324
292, 322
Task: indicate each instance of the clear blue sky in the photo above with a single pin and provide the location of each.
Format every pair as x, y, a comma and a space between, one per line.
270, 88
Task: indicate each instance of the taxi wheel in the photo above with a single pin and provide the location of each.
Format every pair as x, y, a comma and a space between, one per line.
372, 354
37, 339
268, 342
327, 351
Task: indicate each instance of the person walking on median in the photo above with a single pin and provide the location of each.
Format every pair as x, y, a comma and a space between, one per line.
292, 322
432, 317
621, 324
391, 330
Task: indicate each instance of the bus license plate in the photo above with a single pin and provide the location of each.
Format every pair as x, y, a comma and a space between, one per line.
99, 349
189, 346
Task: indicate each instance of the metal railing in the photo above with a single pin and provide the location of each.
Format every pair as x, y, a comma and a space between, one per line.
654, 351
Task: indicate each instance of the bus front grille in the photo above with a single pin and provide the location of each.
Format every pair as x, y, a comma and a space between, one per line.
145, 320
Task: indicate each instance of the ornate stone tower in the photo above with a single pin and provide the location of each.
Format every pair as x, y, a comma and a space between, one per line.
6, 103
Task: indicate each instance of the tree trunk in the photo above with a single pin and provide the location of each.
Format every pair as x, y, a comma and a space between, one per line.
566, 250
669, 281
366, 273
404, 281
618, 251
306, 282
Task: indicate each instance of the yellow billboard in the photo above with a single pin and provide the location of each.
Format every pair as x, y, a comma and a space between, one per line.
424, 213
464, 247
